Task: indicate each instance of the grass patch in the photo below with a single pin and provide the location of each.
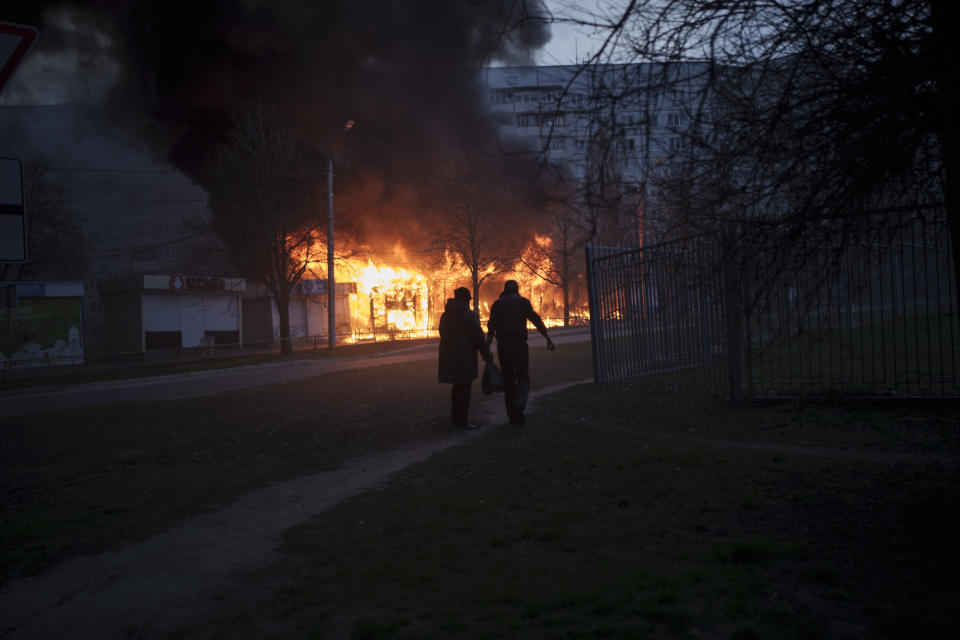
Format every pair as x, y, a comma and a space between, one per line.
79, 481
626, 526
915, 354
613, 513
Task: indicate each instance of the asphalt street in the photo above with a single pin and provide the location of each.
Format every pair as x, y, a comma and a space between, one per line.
205, 383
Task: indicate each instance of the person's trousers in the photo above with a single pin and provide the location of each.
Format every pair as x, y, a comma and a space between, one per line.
460, 402
515, 363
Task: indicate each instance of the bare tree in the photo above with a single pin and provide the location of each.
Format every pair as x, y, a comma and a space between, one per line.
55, 243
825, 110
611, 192
473, 222
557, 256
265, 185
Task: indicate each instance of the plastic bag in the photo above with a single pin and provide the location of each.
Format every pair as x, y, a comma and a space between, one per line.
492, 379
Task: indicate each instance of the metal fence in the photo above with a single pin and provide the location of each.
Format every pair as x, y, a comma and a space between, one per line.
866, 309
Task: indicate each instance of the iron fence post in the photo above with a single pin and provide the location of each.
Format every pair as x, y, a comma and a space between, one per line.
595, 331
733, 316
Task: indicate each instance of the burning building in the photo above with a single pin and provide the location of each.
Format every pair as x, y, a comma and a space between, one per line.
414, 93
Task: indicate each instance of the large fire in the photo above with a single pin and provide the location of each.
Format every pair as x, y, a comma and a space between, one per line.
391, 299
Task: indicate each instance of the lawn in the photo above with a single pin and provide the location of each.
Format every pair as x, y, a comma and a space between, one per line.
613, 513
916, 355
618, 514
85, 480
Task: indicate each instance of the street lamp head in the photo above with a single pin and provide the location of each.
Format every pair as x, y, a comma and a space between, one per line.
346, 128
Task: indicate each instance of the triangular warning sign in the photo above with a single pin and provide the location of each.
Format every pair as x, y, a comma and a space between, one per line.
15, 41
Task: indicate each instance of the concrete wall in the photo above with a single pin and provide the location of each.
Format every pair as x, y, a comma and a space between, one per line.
122, 321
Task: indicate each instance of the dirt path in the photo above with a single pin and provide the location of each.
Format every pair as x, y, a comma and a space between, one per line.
151, 588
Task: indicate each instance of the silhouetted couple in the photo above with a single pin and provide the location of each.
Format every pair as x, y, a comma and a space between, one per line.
461, 338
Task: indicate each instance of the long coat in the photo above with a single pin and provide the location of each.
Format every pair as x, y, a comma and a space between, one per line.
461, 337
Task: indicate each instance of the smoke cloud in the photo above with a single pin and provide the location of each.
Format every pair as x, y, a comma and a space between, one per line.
404, 70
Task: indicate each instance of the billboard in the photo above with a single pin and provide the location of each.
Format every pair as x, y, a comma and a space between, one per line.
42, 331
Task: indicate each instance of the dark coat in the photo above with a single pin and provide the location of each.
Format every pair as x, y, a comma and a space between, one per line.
509, 315
461, 337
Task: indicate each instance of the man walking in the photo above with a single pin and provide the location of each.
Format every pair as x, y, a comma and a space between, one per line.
461, 337
508, 323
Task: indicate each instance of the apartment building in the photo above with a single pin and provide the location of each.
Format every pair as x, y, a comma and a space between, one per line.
632, 122
556, 109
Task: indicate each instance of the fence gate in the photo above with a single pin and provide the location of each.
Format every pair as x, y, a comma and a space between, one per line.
657, 314
871, 313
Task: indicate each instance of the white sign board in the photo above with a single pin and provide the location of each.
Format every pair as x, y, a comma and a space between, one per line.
13, 219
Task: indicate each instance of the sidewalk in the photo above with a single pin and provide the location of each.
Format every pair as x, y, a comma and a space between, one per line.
213, 381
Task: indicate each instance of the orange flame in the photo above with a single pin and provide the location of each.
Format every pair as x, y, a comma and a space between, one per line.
393, 301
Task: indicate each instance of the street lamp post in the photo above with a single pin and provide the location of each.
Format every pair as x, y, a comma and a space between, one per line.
331, 281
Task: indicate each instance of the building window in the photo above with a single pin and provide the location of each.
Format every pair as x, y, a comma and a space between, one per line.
512, 80
502, 96
674, 119
558, 144
677, 144
527, 120
631, 144
553, 120
581, 145
168, 255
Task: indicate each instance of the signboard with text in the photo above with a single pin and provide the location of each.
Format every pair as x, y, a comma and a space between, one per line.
319, 288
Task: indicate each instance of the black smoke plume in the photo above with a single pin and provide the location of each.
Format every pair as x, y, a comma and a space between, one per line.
404, 70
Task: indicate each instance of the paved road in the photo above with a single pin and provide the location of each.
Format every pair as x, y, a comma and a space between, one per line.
205, 383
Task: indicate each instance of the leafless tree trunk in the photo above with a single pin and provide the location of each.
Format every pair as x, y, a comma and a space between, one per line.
264, 185
557, 256
473, 219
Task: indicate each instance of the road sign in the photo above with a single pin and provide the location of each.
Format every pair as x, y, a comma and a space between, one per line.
15, 41
13, 220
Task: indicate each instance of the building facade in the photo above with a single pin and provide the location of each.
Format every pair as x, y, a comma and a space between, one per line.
616, 129
147, 312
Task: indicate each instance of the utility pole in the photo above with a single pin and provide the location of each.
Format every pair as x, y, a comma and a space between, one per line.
331, 280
